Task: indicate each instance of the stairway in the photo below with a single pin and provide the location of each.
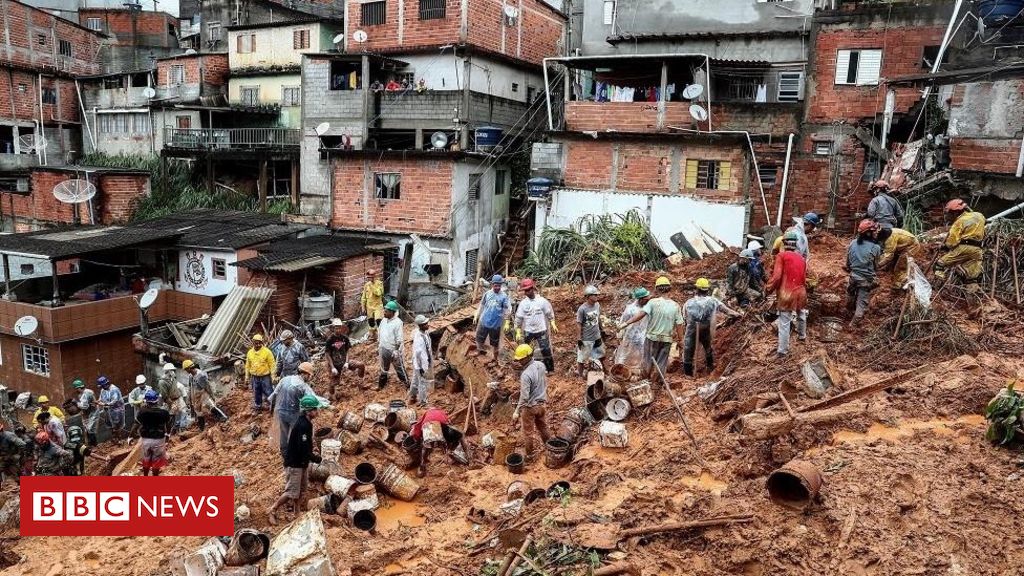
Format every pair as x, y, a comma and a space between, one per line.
514, 241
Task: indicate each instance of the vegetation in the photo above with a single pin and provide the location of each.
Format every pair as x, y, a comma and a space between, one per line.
176, 186
1004, 414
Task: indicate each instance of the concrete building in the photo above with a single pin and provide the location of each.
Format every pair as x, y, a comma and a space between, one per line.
135, 38
215, 16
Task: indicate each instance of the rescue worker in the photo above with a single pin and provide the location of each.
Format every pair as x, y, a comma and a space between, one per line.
297, 456
289, 354
12, 454
153, 425
78, 448
44, 404
883, 208
590, 345
86, 401
802, 228
170, 395
700, 325
51, 459
338, 345
897, 246
112, 402
285, 401
756, 266
492, 316
743, 283
372, 301
533, 397
53, 427
200, 393
962, 247
631, 342
451, 438
422, 362
788, 282
664, 325
260, 366
391, 346
861, 260
535, 320
137, 397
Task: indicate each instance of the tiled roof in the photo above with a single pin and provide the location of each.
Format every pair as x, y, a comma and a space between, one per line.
295, 254
68, 242
224, 229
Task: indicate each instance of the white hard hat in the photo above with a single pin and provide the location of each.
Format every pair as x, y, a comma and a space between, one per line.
591, 290
420, 320
754, 245
337, 322
286, 334
168, 367
140, 379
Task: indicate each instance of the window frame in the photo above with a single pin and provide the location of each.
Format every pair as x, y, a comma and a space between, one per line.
49, 95
475, 184
300, 39
369, 11
436, 10
223, 264
213, 31
173, 75
763, 176
65, 48
89, 23
394, 192
240, 44
42, 360
608, 12
852, 59
500, 182
471, 270
799, 76
286, 101
709, 174
242, 90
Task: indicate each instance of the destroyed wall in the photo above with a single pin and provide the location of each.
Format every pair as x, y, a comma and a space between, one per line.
986, 125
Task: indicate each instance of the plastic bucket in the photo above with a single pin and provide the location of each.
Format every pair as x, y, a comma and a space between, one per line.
411, 446
248, 546
397, 483
795, 485
349, 443
339, 485
320, 472
556, 453
570, 429
328, 503
330, 449
558, 488
365, 473
617, 409
534, 495
595, 391
516, 489
365, 520
640, 394
596, 410
351, 421
515, 463
832, 326
395, 405
401, 419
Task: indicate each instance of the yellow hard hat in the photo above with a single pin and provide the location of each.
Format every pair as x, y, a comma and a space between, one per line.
523, 351
662, 281
257, 338
187, 364
43, 398
702, 284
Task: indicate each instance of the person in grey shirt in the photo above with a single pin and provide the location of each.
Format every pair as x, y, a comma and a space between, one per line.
289, 353
590, 346
284, 401
861, 258
883, 208
533, 396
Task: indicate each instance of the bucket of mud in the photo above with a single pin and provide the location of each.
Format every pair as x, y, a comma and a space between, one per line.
516, 490
249, 546
595, 385
351, 421
570, 428
380, 432
400, 437
613, 435
339, 485
503, 446
558, 489
534, 495
365, 520
557, 453
364, 498
795, 485
400, 420
397, 483
320, 472
622, 372
831, 328
596, 411
323, 432
617, 409
515, 463
366, 473
412, 448
640, 394
583, 415
348, 443
375, 412
330, 449
328, 503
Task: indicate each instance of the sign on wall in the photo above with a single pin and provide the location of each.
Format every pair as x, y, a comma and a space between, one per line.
195, 274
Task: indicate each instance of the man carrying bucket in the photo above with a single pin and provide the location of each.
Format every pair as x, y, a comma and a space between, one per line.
533, 396
297, 456
432, 431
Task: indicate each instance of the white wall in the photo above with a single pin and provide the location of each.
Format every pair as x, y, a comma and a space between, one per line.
446, 72
666, 214
195, 272
476, 223
274, 46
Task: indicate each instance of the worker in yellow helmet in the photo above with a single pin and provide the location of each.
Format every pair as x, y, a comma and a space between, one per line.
963, 243
372, 301
700, 313
664, 326
44, 404
533, 397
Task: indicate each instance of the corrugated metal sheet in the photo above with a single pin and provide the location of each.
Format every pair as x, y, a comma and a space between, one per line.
235, 316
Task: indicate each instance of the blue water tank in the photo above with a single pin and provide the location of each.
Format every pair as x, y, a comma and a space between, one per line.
487, 137
538, 188
999, 11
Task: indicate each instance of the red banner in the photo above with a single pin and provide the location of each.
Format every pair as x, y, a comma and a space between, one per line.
127, 505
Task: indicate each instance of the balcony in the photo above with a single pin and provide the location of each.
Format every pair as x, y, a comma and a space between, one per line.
232, 138
757, 118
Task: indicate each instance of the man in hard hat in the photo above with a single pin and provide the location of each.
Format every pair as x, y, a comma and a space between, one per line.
53, 427
51, 458
422, 362
372, 301
153, 425
802, 227
861, 264
700, 312
533, 397
86, 401
391, 346
112, 401
962, 247
742, 283
285, 400
200, 393
492, 315
898, 245
12, 454
789, 283
44, 404
137, 397
590, 345
664, 325
338, 346
756, 266
288, 354
630, 351
298, 454
535, 319
883, 208
260, 366
169, 394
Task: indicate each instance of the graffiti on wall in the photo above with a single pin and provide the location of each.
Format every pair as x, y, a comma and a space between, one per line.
195, 272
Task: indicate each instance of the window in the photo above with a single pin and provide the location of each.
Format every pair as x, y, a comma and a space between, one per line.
388, 185
41, 40
928, 56
250, 95
22, 88
171, 30
245, 44
176, 74
822, 148
49, 96
741, 89
346, 76
609, 12
500, 179
471, 258
531, 94
374, 13
220, 268
184, 122
64, 48
708, 174
28, 269
36, 359
290, 96
94, 24
791, 86
300, 39
515, 87
474, 186
140, 124
132, 123
768, 175
858, 67
432, 9
213, 31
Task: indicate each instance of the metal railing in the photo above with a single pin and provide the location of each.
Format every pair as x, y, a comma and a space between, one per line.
231, 138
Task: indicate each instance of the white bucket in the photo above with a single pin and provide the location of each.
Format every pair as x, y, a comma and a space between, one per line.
339, 485
330, 449
371, 502
375, 412
613, 434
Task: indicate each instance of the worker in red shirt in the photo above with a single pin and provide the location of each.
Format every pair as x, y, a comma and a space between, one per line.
788, 280
433, 431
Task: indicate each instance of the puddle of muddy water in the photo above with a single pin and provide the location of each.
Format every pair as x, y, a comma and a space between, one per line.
395, 513
904, 429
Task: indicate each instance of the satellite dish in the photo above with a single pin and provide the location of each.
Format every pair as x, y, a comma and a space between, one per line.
439, 140
698, 112
359, 36
26, 326
148, 298
693, 91
191, 52
511, 11
322, 128
338, 39
148, 92
31, 142
74, 191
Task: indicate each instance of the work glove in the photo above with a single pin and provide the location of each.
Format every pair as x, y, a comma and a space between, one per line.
554, 327
334, 371
519, 335
515, 416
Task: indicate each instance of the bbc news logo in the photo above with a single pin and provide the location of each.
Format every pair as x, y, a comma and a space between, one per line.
127, 506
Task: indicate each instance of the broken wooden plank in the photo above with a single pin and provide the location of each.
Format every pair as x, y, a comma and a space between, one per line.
764, 426
868, 389
130, 461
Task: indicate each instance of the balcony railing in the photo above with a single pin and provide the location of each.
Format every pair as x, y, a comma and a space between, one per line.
231, 138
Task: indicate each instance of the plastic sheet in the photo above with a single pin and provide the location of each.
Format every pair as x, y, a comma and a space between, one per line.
920, 286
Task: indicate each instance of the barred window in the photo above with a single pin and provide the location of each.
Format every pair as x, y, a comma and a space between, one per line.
50, 96
176, 74
290, 96
388, 185
374, 13
432, 9
250, 95
708, 174
64, 47
94, 24
36, 359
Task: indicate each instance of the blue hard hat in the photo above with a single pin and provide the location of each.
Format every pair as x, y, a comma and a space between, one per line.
152, 396
103, 381
497, 279
812, 218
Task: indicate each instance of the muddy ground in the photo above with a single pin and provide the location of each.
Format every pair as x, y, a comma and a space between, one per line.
911, 485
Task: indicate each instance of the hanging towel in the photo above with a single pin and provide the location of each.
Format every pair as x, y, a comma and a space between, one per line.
762, 93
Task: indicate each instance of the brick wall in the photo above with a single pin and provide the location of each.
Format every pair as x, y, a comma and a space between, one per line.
353, 272
33, 37
121, 194
985, 154
149, 29
211, 69
424, 206
775, 119
588, 164
903, 48
117, 198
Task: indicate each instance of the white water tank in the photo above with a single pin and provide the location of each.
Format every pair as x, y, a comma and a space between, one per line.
317, 307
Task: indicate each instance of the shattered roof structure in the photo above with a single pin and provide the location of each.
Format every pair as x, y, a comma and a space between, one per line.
222, 229
294, 254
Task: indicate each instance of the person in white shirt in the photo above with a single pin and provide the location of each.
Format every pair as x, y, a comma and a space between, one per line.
422, 361
536, 318
390, 346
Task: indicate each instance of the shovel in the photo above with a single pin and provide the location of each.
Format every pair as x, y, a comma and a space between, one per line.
608, 536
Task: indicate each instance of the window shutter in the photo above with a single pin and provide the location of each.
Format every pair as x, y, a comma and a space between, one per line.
791, 86
870, 67
842, 66
238, 44
691, 174
609, 11
252, 43
724, 175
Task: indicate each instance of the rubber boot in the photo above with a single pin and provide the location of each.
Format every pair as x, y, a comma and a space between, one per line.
687, 369
201, 421
382, 381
